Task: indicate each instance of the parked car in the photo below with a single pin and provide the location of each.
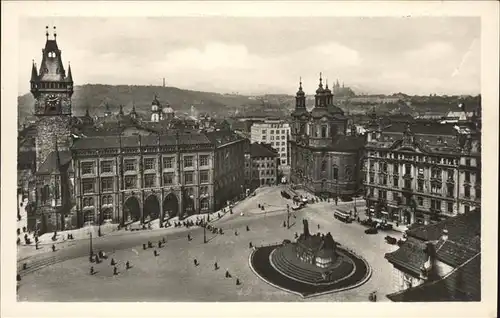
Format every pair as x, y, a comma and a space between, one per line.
345, 198
285, 195
391, 240
371, 230
385, 226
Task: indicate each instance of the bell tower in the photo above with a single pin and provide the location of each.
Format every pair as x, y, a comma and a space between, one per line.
52, 89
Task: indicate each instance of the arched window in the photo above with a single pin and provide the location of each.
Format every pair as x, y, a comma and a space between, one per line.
91, 201
323, 131
335, 172
110, 199
204, 205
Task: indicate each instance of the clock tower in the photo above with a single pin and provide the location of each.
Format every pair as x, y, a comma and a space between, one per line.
52, 88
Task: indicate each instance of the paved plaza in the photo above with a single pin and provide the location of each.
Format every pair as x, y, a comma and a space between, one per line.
172, 275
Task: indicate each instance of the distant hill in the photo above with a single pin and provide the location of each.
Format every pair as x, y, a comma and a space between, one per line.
94, 97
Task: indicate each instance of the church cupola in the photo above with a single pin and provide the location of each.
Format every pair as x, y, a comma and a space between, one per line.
320, 94
300, 98
156, 111
133, 113
328, 95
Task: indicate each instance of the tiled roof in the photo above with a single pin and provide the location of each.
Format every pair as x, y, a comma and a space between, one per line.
454, 254
410, 256
135, 141
428, 128
463, 229
222, 137
462, 284
50, 164
262, 150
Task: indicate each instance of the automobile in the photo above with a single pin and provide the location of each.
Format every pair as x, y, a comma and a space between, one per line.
371, 230
296, 208
285, 194
346, 198
391, 240
385, 226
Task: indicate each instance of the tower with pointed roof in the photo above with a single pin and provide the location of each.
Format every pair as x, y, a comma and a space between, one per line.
156, 110
52, 89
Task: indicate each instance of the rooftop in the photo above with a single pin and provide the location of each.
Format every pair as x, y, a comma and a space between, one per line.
262, 150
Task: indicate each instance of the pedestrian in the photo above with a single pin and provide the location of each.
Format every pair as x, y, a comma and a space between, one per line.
115, 271
150, 245
53, 248
164, 240
127, 265
248, 228
97, 259
227, 274
113, 263
36, 245
397, 223
159, 244
189, 237
236, 232
92, 272
155, 253
144, 246
238, 281
195, 261
318, 226
216, 266
284, 224
18, 277
250, 245
296, 235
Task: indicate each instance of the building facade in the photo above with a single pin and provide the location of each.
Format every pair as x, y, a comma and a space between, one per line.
324, 159
422, 172
274, 132
261, 165
128, 170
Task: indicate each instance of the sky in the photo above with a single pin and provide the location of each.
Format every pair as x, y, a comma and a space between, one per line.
253, 55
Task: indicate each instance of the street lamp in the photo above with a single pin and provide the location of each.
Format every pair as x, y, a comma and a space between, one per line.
91, 251
287, 216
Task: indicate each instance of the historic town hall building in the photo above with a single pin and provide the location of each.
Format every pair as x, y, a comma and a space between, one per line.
324, 158
150, 173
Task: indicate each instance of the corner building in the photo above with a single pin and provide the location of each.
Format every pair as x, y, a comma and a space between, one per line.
423, 172
324, 159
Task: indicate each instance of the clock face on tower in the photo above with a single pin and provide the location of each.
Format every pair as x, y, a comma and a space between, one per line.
52, 102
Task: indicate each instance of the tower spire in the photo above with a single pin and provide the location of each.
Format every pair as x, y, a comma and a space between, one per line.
47, 32
300, 83
55, 33
34, 73
70, 76
320, 80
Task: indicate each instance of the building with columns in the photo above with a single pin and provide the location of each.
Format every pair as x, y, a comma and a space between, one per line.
422, 171
138, 172
324, 158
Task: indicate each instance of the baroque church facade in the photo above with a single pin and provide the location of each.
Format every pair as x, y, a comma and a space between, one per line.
324, 158
153, 173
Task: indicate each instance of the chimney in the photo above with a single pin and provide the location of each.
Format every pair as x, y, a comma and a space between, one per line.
444, 235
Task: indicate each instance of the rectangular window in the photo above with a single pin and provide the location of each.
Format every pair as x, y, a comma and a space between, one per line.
106, 166
450, 207
271, 132
204, 176
188, 177
168, 163
407, 184
435, 187
88, 186
420, 185
283, 137
420, 201
335, 173
407, 169
467, 176
467, 191
283, 143
372, 178
384, 180
149, 180
149, 163
450, 190
271, 138
283, 131
168, 178
203, 160
188, 161
466, 209
130, 182
264, 131
264, 137
106, 184
130, 165
467, 162
87, 167
395, 182
283, 161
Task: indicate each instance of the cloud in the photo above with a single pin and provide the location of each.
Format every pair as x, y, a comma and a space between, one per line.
253, 55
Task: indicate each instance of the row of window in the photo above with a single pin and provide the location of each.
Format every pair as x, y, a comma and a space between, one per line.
264, 138
149, 164
421, 158
264, 131
436, 173
277, 144
88, 185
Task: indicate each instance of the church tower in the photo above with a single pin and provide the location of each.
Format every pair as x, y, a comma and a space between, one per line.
52, 89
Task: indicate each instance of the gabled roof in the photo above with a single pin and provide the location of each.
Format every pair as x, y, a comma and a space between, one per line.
51, 164
463, 229
462, 284
410, 256
51, 68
